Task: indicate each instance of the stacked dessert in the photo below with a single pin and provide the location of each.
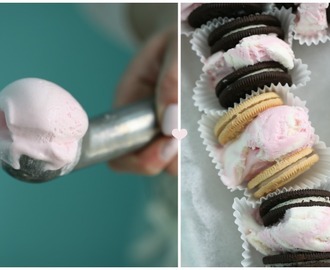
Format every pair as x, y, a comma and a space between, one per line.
257, 132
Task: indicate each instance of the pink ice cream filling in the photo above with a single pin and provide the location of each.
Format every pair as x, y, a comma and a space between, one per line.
250, 50
274, 133
311, 19
301, 229
41, 120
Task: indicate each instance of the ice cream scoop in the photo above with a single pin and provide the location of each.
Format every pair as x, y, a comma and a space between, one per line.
44, 131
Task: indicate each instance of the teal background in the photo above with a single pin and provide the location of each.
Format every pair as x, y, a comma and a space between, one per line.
90, 217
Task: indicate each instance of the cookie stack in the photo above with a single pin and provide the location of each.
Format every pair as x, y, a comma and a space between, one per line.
259, 136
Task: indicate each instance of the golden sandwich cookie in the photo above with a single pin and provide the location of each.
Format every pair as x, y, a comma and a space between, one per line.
235, 120
282, 172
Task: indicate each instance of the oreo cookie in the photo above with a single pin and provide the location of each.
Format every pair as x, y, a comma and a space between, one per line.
207, 12
228, 35
328, 14
243, 81
273, 209
299, 259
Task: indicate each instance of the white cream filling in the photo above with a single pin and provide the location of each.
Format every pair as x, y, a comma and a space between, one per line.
301, 200
261, 71
244, 28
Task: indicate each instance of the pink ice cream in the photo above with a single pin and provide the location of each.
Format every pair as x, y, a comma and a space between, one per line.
301, 229
274, 133
311, 19
41, 120
187, 8
216, 67
250, 50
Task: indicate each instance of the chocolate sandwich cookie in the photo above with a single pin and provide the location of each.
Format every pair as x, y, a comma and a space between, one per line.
328, 14
243, 81
207, 12
273, 209
228, 35
299, 259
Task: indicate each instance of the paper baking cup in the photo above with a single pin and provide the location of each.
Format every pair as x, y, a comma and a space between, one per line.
244, 213
206, 100
199, 38
187, 30
316, 176
312, 40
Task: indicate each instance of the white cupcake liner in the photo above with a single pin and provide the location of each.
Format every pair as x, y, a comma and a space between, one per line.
312, 40
199, 38
188, 30
244, 212
206, 100
314, 177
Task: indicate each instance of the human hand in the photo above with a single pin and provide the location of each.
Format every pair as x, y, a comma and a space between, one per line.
154, 72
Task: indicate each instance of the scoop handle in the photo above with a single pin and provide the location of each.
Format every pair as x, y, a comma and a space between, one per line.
118, 132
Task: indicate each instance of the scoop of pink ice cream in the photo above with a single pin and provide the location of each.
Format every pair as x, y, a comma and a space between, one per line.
216, 67
311, 19
301, 229
260, 48
41, 120
276, 132
187, 8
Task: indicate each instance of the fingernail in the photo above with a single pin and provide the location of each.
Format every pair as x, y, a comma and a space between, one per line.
169, 150
170, 119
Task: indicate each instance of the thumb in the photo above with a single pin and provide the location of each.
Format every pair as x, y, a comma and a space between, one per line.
167, 88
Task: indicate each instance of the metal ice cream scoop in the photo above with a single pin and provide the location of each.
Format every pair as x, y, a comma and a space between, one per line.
108, 136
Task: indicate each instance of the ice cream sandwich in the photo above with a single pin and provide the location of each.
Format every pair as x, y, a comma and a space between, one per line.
229, 34
235, 120
274, 208
243, 81
264, 144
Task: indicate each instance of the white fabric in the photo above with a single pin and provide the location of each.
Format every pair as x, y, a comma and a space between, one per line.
209, 235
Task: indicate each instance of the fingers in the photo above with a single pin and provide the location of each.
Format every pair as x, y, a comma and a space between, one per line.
167, 88
140, 79
155, 69
172, 168
152, 160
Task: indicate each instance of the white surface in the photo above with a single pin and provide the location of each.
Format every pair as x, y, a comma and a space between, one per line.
209, 234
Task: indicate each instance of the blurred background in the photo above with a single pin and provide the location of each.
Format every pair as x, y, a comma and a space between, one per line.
92, 217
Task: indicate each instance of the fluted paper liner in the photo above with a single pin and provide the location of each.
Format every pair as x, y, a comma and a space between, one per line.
315, 176
244, 211
312, 40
